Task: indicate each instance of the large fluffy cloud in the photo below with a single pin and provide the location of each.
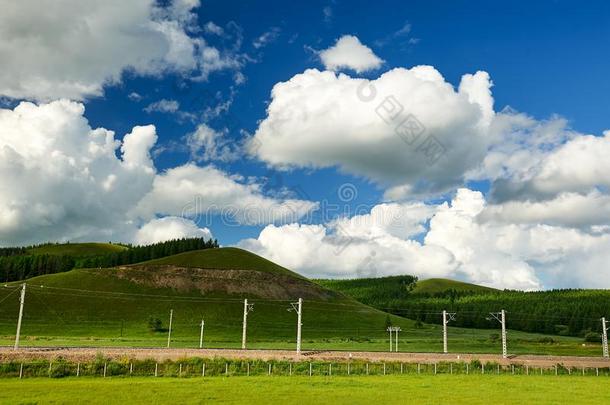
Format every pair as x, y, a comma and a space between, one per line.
368, 245
500, 251
409, 129
60, 179
195, 191
465, 239
73, 48
350, 53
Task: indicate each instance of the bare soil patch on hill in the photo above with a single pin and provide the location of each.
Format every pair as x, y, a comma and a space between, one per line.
224, 282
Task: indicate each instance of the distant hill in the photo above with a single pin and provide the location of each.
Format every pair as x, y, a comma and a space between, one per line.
123, 302
440, 285
228, 258
377, 292
565, 312
19, 263
229, 271
76, 249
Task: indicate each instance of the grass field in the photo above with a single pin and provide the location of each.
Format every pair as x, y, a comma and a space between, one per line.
441, 389
112, 307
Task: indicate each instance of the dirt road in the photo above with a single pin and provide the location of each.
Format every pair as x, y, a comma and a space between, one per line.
85, 354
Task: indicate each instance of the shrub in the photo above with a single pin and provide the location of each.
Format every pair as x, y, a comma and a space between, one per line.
155, 324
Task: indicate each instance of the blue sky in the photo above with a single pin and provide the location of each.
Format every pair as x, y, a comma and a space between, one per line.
544, 58
547, 60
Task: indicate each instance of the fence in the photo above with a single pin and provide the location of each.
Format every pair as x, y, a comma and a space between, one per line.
198, 367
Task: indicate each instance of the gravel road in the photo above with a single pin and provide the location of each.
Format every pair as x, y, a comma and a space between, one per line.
86, 354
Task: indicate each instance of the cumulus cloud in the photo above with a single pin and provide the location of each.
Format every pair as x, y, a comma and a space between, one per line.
62, 180
408, 130
461, 241
195, 191
569, 209
579, 165
168, 228
368, 245
313, 250
75, 47
508, 253
348, 52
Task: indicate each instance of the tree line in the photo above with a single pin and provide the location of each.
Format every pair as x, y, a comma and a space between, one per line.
561, 312
569, 312
17, 264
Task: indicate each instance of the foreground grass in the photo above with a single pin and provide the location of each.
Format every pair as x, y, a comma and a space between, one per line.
471, 389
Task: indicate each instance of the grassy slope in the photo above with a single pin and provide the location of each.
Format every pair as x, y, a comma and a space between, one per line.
66, 317
77, 249
62, 313
435, 285
463, 389
224, 259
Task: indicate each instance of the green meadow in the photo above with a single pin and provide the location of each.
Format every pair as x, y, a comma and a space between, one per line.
439, 389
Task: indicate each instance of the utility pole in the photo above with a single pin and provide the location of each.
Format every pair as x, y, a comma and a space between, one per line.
390, 329
604, 337
169, 333
21, 303
298, 308
396, 329
247, 308
501, 317
201, 335
451, 317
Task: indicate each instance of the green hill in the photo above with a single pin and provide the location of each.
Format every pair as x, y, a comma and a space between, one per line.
441, 285
129, 305
223, 259
377, 292
115, 305
565, 312
20, 263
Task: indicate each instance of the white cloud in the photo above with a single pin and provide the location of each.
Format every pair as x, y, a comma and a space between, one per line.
567, 209
518, 255
318, 251
349, 52
465, 239
580, 165
211, 28
61, 180
321, 119
168, 228
266, 38
207, 144
134, 96
73, 48
194, 191
367, 245
164, 106
481, 251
